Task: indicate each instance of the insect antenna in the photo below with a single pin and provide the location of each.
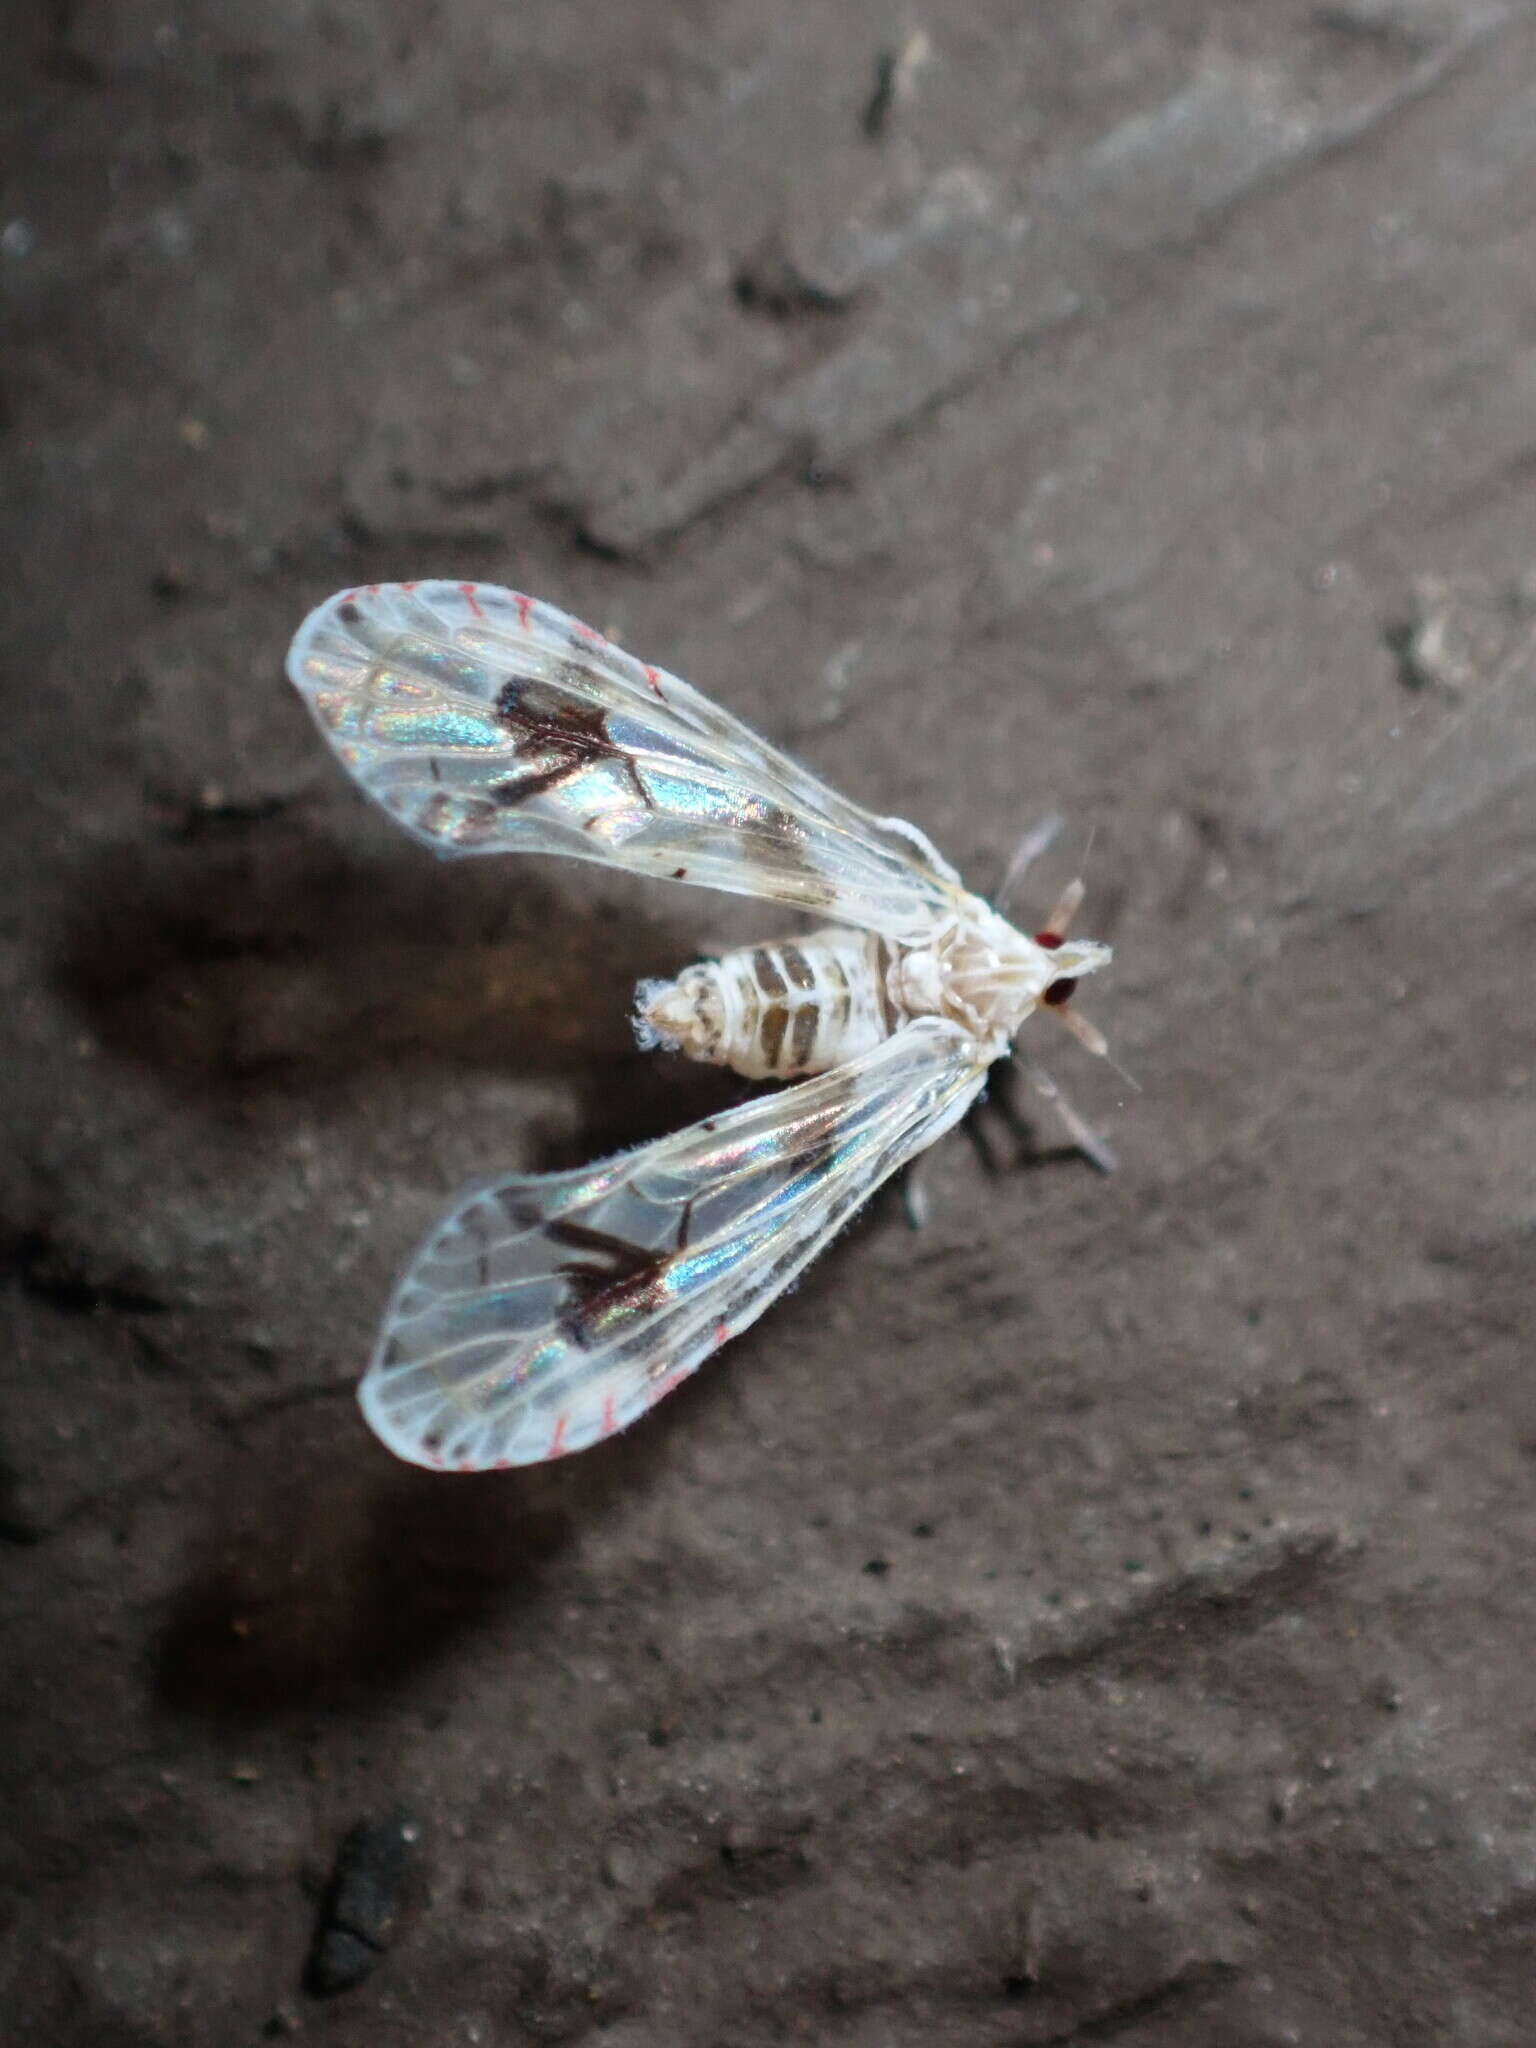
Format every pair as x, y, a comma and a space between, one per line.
1024, 855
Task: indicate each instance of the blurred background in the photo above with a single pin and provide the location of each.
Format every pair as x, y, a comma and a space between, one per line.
1106, 1616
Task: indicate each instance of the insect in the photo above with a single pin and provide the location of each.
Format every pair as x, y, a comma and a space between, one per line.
544, 1312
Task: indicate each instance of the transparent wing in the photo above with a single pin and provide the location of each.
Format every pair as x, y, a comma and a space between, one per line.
486, 722
545, 1312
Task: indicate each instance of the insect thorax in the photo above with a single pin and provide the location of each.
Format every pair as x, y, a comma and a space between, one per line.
806, 1005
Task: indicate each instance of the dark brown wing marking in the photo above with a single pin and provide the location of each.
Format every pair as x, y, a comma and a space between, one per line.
565, 736
521, 702
788, 836
618, 1274
435, 812
477, 823
475, 1228
599, 1292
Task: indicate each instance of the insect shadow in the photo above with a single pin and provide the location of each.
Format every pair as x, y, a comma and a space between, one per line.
273, 958
1029, 1139
335, 1591
260, 955
329, 1575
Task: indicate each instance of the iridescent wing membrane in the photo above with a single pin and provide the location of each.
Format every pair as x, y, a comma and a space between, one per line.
487, 722
546, 1312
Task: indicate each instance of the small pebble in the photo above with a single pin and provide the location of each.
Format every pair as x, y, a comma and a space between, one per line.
361, 1903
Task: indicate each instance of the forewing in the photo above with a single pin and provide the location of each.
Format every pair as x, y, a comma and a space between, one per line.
486, 722
545, 1312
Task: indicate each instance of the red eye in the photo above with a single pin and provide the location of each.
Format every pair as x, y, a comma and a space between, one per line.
1061, 991
1050, 940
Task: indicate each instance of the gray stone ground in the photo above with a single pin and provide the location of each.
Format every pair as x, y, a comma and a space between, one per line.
1105, 1617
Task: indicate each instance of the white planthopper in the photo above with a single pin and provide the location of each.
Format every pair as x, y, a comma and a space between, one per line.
544, 1312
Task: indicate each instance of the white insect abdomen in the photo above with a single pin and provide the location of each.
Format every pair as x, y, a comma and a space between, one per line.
775, 1012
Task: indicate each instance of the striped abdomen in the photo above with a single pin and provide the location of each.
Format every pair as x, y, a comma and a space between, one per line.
775, 1012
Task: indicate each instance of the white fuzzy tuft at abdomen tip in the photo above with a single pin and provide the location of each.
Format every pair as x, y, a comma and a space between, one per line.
686, 1015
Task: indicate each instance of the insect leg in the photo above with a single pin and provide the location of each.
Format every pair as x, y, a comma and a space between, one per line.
1094, 1148
914, 1193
